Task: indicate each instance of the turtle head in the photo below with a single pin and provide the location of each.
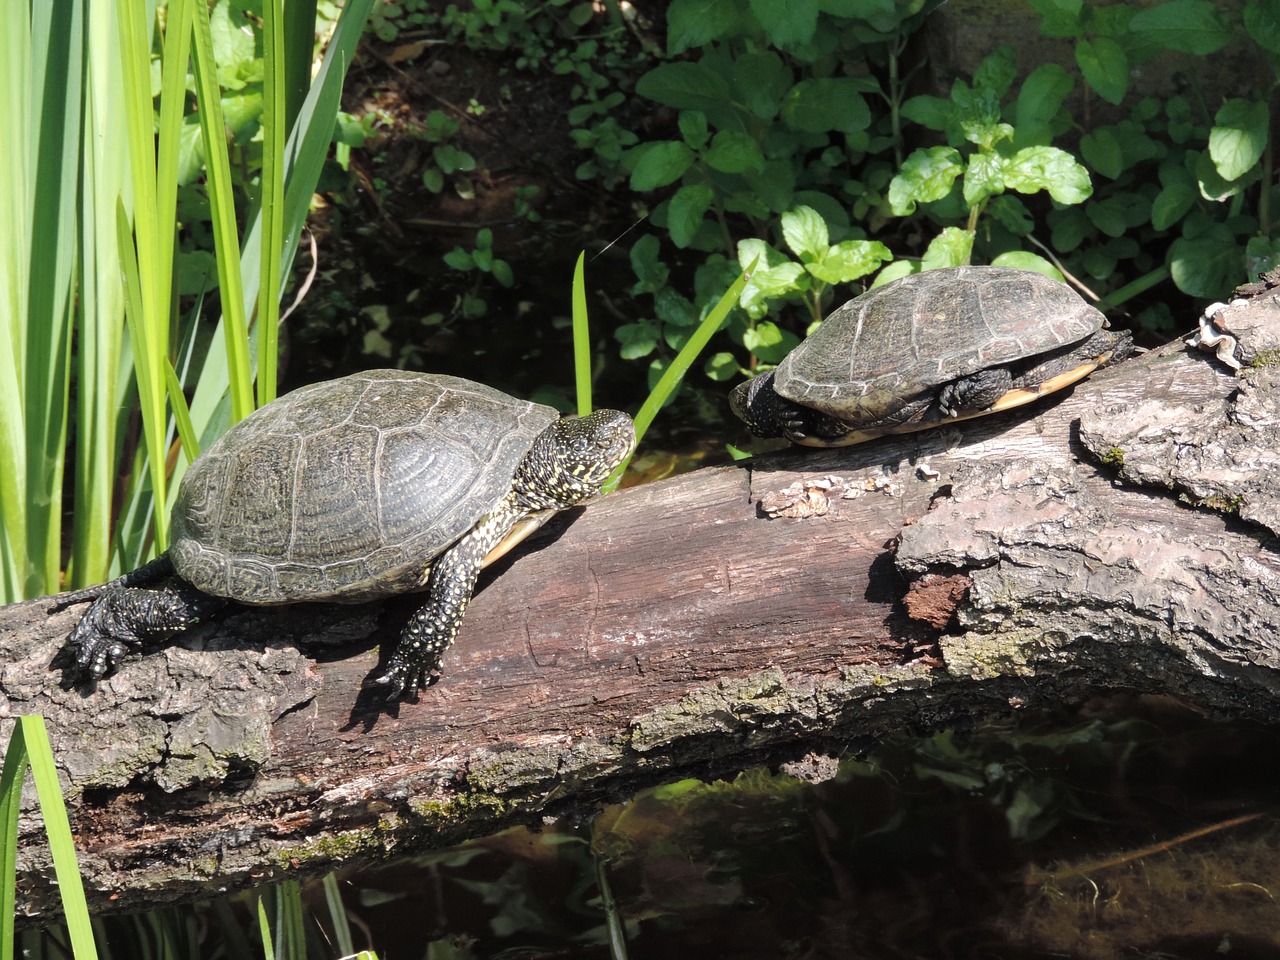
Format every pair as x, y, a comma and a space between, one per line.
570, 459
758, 405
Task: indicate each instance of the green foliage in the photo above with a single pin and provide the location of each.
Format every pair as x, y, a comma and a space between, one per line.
29, 748
1171, 180
790, 114
450, 160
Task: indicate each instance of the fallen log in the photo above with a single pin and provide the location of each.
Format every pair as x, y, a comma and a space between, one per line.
1120, 537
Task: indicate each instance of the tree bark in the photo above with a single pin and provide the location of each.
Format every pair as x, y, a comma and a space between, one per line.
1118, 537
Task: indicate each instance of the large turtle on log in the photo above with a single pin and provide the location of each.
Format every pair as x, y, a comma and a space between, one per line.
362, 487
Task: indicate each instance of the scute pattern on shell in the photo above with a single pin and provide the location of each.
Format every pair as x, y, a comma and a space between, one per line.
345, 490
895, 342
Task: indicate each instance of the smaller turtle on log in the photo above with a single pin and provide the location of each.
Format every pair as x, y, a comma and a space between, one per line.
353, 489
928, 349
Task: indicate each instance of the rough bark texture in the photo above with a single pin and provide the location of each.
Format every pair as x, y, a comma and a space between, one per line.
1122, 536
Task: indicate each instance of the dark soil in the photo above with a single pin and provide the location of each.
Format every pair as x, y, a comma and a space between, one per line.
383, 295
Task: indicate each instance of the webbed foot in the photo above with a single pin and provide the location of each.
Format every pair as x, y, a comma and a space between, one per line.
405, 677
125, 619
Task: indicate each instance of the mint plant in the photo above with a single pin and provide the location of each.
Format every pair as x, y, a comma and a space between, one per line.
1181, 192
988, 160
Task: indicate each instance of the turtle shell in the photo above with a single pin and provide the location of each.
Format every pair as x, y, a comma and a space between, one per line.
345, 490
894, 343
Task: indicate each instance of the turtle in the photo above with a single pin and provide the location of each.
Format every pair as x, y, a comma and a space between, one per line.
352, 489
927, 349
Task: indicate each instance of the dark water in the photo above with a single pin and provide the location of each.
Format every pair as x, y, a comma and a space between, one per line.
1128, 828
1061, 836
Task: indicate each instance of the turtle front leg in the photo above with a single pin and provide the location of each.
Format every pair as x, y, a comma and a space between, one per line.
125, 619
415, 662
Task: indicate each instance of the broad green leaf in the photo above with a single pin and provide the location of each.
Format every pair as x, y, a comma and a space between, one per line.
1262, 254
695, 23
775, 276
826, 103
1192, 26
1172, 204
502, 272
983, 178
806, 233
997, 70
1119, 213
459, 259
848, 260
659, 164
1068, 229
1238, 137
1048, 168
895, 271
1012, 214
1104, 66
693, 128
776, 188
762, 79
650, 271
769, 342
789, 23
977, 114
1262, 23
721, 366
1041, 95
685, 212
734, 152
233, 44
1208, 266
873, 11
932, 112
684, 86
1212, 184
1026, 260
926, 175
1059, 18
674, 308
1102, 151
637, 339
950, 248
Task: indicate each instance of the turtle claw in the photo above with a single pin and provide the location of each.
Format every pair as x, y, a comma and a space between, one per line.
101, 639
405, 678
126, 619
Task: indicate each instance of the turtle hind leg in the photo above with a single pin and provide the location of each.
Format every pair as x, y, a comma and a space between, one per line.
126, 619
157, 569
975, 392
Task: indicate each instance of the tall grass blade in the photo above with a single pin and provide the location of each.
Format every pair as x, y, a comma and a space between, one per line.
672, 376
338, 916
11, 778
15, 199
226, 236
29, 745
148, 322
101, 384
264, 928
581, 338
272, 203
57, 37
299, 51
305, 153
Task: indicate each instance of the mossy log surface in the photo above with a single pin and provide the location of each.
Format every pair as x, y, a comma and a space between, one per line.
1122, 536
